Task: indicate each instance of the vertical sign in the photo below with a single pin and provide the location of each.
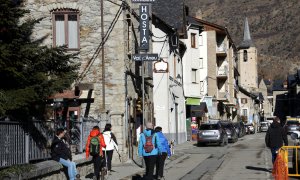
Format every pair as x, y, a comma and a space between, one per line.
144, 27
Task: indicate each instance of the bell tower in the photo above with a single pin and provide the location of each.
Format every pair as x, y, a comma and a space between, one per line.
247, 53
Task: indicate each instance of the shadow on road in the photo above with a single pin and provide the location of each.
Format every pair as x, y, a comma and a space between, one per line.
258, 169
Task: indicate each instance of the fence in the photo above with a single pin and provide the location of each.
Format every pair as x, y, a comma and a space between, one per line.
24, 142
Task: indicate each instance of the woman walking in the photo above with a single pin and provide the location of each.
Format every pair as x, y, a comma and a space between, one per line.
111, 144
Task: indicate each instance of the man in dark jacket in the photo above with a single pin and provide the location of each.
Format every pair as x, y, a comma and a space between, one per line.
60, 152
275, 137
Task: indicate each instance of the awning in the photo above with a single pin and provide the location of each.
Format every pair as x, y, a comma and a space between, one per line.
199, 110
192, 101
86, 94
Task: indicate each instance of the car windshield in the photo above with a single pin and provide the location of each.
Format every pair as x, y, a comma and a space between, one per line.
293, 123
209, 126
264, 124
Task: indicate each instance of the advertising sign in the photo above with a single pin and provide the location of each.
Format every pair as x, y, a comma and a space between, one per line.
161, 67
144, 27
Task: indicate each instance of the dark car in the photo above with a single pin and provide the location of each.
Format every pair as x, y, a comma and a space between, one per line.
212, 133
292, 126
230, 131
239, 128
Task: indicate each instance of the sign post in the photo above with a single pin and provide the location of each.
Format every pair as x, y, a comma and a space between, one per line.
144, 11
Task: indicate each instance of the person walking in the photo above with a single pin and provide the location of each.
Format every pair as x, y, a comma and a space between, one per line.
149, 147
275, 137
111, 144
94, 145
61, 153
160, 163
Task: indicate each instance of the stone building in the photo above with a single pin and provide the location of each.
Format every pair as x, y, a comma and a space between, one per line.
104, 34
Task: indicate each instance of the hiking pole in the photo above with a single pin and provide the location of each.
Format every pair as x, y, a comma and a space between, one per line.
118, 153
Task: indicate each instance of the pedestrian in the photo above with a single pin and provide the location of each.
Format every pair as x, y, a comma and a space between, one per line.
111, 144
61, 153
94, 145
149, 147
275, 137
160, 163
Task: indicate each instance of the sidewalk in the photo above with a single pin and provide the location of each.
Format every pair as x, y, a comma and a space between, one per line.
127, 170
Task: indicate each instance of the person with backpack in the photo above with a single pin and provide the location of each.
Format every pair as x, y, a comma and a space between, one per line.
61, 153
94, 145
160, 163
149, 147
111, 144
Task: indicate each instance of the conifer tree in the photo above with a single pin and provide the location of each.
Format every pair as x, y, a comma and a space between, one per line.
29, 71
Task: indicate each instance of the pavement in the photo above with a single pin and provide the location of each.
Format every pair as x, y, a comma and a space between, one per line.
173, 166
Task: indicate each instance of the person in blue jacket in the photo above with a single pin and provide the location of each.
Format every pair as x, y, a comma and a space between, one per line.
149, 148
160, 163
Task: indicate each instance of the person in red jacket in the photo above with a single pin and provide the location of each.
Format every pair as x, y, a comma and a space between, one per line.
94, 145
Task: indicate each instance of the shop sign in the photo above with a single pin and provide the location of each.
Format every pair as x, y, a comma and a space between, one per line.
161, 67
145, 57
144, 27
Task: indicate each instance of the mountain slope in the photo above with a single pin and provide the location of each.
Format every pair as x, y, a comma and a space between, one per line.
274, 26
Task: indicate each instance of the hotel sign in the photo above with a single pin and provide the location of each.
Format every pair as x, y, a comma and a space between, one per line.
144, 27
145, 57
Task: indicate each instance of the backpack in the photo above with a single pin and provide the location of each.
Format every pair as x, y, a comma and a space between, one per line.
148, 144
94, 146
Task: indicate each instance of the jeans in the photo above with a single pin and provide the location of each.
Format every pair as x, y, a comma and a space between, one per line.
97, 161
274, 153
108, 155
72, 172
160, 163
150, 162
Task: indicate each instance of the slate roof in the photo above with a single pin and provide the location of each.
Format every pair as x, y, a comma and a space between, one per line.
172, 12
278, 85
247, 41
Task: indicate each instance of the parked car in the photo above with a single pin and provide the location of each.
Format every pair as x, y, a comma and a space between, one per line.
230, 131
240, 128
292, 126
250, 128
264, 126
212, 132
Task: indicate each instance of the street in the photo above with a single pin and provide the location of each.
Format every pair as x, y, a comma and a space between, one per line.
246, 159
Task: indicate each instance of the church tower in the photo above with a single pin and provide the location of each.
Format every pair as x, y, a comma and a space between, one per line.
247, 53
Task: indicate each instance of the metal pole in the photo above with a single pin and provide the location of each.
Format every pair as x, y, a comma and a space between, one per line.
103, 60
143, 92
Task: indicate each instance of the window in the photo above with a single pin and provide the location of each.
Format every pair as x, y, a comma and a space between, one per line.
201, 63
245, 113
200, 40
194, 76
201, 86
66, 29
193, 40
245, 56
244, 100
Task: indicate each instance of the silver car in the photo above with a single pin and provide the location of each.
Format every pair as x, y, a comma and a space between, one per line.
263, 126
212, 133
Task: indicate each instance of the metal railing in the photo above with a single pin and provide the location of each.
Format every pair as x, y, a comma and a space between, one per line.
24, 142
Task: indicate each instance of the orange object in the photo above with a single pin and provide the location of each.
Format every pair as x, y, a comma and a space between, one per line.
94, 132
280, 171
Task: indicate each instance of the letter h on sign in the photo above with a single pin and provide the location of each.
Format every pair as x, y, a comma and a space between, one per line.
144, 27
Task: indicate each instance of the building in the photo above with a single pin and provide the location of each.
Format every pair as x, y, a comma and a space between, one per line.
109, 87
169, 100
217, 73
250, 97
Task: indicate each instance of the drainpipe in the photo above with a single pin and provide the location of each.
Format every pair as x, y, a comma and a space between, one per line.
126, 117
103, 60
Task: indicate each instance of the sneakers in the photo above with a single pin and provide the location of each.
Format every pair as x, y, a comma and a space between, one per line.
77, 176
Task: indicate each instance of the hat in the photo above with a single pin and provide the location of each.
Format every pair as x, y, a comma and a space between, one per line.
149, 125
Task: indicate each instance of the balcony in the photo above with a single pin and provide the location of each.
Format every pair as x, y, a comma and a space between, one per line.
222, 72
223, 96
221, 49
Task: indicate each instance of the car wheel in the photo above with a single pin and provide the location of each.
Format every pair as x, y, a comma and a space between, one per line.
199, 144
